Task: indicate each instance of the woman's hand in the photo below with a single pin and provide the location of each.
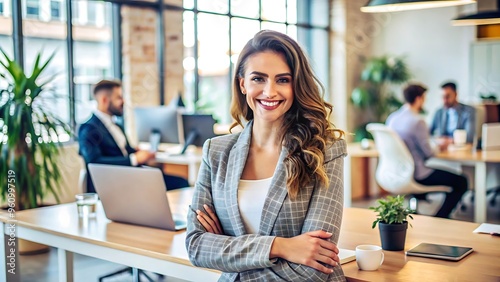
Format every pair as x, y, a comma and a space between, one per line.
309, 249
209, 220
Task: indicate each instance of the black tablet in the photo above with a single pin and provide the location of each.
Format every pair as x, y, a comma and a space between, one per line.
439, 251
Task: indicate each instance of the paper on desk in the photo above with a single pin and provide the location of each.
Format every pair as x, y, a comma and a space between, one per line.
346, 255
488, 228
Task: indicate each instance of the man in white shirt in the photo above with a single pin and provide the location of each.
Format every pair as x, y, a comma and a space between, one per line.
102, 141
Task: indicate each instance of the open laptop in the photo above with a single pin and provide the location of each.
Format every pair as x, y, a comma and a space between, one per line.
134, 195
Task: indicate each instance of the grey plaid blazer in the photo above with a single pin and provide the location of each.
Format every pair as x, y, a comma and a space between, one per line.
245, 257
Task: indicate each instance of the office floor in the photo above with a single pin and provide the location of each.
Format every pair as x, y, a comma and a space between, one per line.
43, 267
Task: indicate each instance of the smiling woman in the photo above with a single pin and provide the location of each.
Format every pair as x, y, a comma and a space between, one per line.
268, 201
268, 87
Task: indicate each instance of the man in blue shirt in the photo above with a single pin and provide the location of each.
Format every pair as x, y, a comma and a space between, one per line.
413, 130
453, 115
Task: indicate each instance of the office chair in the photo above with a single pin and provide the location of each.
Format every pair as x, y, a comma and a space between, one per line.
395, 167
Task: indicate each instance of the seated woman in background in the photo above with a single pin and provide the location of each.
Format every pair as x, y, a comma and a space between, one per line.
269, 200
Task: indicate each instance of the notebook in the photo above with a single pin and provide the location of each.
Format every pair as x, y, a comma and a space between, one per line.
490, 140
445, 252
488, 228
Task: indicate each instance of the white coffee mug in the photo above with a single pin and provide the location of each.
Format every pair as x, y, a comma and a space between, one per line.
369, 257
459, 137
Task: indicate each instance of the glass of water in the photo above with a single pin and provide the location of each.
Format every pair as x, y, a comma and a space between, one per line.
86, 204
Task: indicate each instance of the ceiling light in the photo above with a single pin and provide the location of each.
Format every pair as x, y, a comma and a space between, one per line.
384, 6
479, 18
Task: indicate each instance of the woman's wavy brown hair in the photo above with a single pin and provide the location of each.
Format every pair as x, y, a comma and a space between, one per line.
306, 130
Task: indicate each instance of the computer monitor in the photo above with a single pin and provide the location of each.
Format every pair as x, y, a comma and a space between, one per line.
162, 119
196, 129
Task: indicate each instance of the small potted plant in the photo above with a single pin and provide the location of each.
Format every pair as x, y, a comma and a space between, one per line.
392, 222
488, 98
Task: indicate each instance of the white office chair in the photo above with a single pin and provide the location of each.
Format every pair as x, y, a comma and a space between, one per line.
395, 166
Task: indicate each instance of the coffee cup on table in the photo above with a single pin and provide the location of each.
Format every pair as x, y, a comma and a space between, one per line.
459, 137
369, 257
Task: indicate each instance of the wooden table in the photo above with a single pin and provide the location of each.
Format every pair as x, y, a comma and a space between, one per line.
186, 165
478, 159
156, 250
164, 251
359, 180
482, 265
172, 162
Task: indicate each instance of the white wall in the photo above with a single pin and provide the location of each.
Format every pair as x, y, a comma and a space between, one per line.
435, 50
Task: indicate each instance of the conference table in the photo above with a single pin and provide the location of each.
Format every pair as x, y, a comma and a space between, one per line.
164, 252
476, 158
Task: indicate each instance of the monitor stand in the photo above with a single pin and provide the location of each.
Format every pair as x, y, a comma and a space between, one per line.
189, 140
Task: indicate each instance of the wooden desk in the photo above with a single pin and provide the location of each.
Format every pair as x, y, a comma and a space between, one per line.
478, 159
186, 165
164, 252
482, 265
360, 181
156, 250
172, 162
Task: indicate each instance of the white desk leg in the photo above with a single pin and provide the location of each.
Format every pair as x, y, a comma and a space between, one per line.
9, 252
65, 259
480, 194
3, 253
135, 275
347, 182
193, 169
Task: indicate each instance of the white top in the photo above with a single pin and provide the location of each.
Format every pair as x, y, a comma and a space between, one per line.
116, 133
251, 197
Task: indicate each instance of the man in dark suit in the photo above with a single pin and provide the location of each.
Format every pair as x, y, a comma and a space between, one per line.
104, 142
453, 115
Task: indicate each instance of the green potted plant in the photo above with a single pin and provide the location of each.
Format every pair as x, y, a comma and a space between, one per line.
29, 136
373, 96
392, 222
488, 97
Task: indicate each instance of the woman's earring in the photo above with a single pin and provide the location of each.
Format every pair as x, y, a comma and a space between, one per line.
243, 92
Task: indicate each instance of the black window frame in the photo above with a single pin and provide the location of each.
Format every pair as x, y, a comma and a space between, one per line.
159, 6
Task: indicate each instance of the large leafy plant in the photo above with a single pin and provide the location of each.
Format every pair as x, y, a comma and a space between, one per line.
374, 96
392, 211
29, 144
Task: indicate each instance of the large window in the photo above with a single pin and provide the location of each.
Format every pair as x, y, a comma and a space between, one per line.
93, 53
215, 32
49, 38
45, 29
5, 34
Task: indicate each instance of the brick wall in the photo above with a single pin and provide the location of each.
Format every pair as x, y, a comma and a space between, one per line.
140, 59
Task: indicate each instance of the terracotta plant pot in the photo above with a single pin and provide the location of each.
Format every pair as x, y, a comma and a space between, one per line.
393, 236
